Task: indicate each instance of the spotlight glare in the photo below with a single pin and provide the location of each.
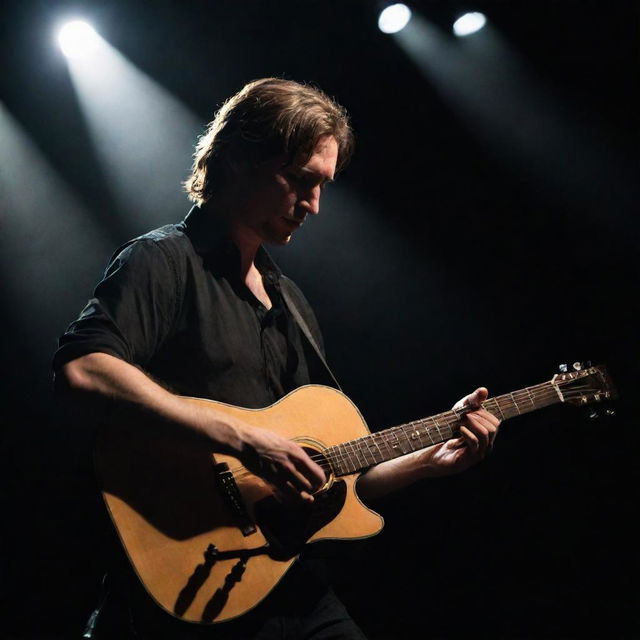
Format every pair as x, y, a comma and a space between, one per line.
77, 39
469, 23
394, 18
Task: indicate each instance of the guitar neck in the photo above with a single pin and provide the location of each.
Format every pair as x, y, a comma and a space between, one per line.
360, 454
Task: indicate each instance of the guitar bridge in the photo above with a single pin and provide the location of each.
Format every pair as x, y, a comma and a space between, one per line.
232, 498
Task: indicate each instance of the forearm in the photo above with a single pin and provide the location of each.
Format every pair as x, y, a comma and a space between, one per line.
394, 474
109, 386
475, 437
125, 395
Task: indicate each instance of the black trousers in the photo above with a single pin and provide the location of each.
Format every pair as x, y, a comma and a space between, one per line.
301, 607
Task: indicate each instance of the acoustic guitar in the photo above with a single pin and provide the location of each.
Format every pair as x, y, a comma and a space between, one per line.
208, 539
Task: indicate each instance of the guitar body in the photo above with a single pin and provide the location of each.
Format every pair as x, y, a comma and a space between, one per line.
206, 538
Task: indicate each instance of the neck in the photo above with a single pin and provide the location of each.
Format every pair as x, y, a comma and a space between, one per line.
245, 239
248, 244
360, 454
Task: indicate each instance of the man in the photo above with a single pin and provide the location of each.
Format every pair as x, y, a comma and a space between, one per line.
199, 309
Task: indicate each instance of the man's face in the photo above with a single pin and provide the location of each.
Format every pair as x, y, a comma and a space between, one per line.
279, 196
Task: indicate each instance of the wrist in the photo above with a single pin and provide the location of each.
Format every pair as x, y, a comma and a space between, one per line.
430, 466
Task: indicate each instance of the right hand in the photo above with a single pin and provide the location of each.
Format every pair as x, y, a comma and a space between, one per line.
282, 463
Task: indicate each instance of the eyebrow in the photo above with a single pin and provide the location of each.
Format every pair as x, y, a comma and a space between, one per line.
325, 179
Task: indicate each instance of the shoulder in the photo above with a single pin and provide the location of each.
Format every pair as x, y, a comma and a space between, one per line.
167, 244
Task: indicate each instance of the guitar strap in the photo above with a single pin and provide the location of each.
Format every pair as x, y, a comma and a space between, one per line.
291, 305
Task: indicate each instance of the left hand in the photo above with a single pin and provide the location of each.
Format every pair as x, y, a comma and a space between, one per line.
478, 430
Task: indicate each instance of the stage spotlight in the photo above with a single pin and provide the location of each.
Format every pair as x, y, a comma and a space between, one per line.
394, 18
141, 135
469, 23
78, 39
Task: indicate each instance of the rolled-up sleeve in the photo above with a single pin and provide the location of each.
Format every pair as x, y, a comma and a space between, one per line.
133, 308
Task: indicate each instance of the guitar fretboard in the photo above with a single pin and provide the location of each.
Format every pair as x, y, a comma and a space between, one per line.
360, 454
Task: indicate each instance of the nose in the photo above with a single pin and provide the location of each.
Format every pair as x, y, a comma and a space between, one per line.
310, 201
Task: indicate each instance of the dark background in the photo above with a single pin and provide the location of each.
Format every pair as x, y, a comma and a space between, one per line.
444, 259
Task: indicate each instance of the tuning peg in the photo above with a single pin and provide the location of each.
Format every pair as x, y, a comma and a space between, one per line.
577, 366
563, 368
596, 414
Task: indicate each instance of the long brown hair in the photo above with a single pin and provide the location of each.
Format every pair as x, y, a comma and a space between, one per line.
266, 118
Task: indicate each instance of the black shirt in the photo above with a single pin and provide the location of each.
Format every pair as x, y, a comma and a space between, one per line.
173, 303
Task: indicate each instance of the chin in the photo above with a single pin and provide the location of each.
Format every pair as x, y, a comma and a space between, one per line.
282, 240
277, 242
278, 238
276, 234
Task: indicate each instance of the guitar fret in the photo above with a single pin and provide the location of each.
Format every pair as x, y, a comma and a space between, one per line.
375, 450
336, 456
373, 439
515, 404
427, 430
338, 459
494, 401
349, 457
404, 441
533, 404
384, 441
410, 440
398, 445
414, 433
372, 450
357, 450
345, 459
421, 433
437, 426
350, 454
364, 449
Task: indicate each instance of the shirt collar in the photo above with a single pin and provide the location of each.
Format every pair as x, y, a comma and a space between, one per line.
209, 237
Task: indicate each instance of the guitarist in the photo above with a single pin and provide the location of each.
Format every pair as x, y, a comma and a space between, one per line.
198, 308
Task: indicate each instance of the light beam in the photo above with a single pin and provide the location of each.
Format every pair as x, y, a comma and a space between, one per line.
497, 100
143, 137
50, 246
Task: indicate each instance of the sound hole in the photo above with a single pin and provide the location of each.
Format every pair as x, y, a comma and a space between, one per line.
317, 456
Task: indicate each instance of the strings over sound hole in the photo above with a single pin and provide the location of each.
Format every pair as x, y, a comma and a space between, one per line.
317, 455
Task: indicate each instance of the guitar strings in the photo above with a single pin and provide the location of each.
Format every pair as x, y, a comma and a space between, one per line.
340, 452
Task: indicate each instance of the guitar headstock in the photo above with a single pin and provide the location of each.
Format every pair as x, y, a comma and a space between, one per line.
584, 385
